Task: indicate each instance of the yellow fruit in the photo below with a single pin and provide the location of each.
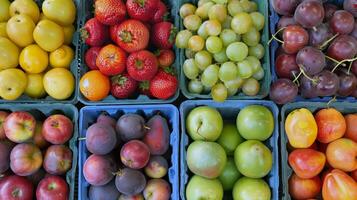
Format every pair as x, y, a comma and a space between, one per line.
33, 59
3, 29
9, 54
48, 35
4, 10
42, 17
25, 7
12, 83
62, 57
68, 34
59, 83
35, 87
62, 12
19, 29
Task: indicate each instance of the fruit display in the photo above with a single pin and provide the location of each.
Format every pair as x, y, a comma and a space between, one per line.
223, 47
319, 150
37, 58
314, 50
128, 53
228, 150
129, 152
37, 152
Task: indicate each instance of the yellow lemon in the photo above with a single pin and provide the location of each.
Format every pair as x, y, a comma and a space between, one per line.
19, 29
25, 7
48, 35
59, 83
4, 10
62, 57
9, 54
35, 87
68, 34
62, 12
33, 59
12, 83
3, 29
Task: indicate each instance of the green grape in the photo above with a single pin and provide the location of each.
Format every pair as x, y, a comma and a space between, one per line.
256, 65
245, 69
203, 59
241, 23
201, 2
213, 27
190, 69
182, 38
214, 44
189, 53
221, 56
227, 23
232, 91
196, 43
202, 31
257, 51
259, 75
228, 36
228, 71
206, 89
219, 92
195, 86
234, 7
210, 76
252, 37
251, 87
258, 20
202, 11
187, 9
237, 51
220, 1
192, 22
218, 12
248, 6
234, 85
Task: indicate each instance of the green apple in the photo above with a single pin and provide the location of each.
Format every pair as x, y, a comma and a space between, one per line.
199, 188
251, 189
230, 175
230, 138
204, 123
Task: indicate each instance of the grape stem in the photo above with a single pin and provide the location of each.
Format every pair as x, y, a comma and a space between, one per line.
340, 63
296, 80
334, 60
328, 41
273, 37
349, 68
334, 99
302, 72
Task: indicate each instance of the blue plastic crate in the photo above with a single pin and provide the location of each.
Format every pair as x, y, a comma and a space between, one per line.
274, 19
229, 110
88, 116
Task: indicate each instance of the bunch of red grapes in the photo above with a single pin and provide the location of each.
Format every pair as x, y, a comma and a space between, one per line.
318, 52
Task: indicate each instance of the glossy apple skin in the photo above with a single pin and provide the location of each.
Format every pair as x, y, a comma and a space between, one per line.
351, 131
16, 188
52, 187
331, 125
58, 159
38, 138
135, 154
307, 163
300, 188
341, 154
157, 189
157, 137
25, 159
157, 167
338, 185
57, 129
3, 116
19, 126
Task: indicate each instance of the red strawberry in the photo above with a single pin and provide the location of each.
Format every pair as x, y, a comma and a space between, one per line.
166, 57
164, 84
142, 65
110, 12
163, 35
111, 60
123, 86
144, 88
142, 9
131, 35
94, 33
161, 13
90, 57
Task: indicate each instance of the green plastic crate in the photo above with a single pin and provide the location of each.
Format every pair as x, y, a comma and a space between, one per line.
40, 111
265, 82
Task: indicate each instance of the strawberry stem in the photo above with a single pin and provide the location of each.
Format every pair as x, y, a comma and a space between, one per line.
126, 36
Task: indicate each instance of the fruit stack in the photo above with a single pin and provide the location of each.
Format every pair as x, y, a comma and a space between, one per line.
227, 151
35, 158
223, 49
130, 51
129, 158
318, 52
36, 52
322, 151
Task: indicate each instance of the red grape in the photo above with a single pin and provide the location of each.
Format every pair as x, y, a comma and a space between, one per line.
343, 47
354, 32
285, 21
295, 38
328, 83
350, 6
286, 67
283, 91
311, 60
320, 35
284, 7
348, 83
342, 22
309, 13
354, 68
307, 88
329, 10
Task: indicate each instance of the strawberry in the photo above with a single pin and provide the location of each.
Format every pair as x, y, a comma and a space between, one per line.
142, 65
131, 35
163, 35
165, 57
111, 60
161, 13
110, 12
164, 84
90, 57
144, 88
142, 10
123, 86
94, 33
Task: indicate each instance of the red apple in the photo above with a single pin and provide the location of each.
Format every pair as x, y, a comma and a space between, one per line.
342, 154
57, 129
52, 188
19, 126
300, 188
99, 170
58, 159
16, 188
3, 116
25, 159
135, 154
157, 189
38, 138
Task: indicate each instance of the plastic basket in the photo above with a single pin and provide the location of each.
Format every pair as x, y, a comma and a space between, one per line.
41, 111
88, 116
265, 82
229, 110
87, 13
